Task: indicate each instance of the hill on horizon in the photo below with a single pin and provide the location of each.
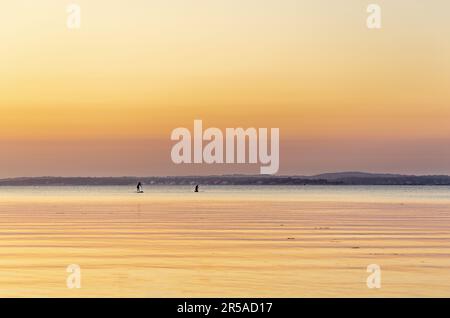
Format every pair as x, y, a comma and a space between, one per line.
356, 174
338, 178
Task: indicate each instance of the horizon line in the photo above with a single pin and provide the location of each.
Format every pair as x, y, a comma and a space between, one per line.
237, 175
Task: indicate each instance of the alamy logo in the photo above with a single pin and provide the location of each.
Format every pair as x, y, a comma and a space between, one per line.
374, 19
74, 279
232, 150
374, 279
74, 16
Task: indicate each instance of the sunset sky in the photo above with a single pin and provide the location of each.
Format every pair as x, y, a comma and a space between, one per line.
103, 100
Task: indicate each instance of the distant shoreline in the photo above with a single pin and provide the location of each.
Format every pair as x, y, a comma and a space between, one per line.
341, 178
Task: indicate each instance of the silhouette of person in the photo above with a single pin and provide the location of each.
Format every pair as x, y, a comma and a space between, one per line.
139, 187
196, 188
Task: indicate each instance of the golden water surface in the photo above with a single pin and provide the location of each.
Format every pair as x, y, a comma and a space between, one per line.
228, 245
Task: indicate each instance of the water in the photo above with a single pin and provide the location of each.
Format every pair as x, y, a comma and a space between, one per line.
226, 241
397, 194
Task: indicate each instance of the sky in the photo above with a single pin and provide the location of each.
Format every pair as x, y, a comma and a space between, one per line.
102, 100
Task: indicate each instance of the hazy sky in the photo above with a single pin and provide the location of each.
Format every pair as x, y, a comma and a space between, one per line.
104, 99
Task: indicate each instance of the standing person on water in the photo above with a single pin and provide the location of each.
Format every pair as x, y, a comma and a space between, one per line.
196, 188
139, 187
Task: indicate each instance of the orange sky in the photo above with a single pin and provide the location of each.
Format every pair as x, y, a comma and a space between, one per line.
109, 94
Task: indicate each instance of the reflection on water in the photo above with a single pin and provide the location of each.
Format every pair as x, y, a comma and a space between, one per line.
425, 194
225, 241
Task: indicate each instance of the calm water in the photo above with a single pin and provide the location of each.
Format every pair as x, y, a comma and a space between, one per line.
309, 241
430, 194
